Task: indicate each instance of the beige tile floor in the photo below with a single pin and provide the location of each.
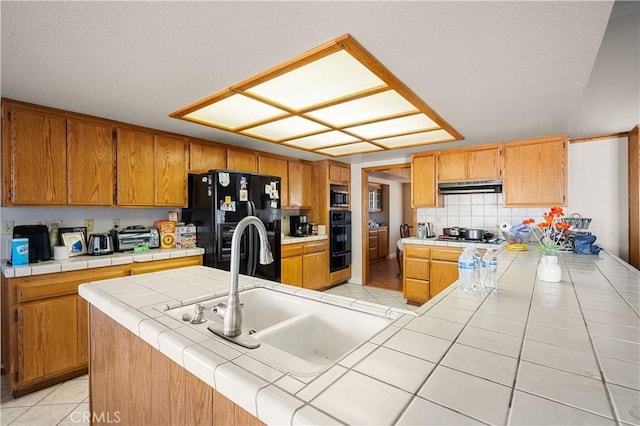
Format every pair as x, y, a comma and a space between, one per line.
68, 403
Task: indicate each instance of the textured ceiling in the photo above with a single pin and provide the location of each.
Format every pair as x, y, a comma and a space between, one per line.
494, 70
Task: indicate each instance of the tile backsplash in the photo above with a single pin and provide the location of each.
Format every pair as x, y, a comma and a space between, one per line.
484, 211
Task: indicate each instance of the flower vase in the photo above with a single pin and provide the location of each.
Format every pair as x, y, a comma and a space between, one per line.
548, 269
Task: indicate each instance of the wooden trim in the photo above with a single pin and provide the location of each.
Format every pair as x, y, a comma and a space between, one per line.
634, 197
364, 203
600, 137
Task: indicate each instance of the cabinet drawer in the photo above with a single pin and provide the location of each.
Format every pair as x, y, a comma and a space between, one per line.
416, 289
290, 250
416, 268
412, 250
315, 247
450, 254
51, 285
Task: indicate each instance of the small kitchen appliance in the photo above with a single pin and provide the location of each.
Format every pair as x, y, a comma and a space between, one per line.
339, 199
128, 238
100, 244
39, 244
298, 226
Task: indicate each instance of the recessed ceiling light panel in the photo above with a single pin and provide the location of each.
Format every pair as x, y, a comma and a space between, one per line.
354, 148
286, 128
235, 111
334, 100
321, 140
412, 123
377, 106
334, 76
414, 139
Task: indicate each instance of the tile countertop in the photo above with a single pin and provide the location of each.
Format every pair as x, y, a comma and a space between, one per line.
76, 263
287, 239
435, 242
529, 352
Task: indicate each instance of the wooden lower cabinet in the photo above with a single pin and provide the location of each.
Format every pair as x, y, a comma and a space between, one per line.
415, 273
306, 264
132, 383
44, 323
378, 243
427, 270
444, 268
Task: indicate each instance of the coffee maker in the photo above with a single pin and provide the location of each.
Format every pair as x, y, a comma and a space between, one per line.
298, 226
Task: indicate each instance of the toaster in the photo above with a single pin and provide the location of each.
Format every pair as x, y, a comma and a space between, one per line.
100, 244
128, 238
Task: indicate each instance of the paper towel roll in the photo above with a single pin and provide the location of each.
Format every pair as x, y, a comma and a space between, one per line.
61, 253
505, 226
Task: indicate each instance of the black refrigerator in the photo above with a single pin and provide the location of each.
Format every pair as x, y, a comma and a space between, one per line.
218, 200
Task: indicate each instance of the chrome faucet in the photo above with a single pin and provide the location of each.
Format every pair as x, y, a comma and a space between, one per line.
231, 313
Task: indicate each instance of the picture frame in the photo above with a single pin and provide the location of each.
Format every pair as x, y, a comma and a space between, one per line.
76, 243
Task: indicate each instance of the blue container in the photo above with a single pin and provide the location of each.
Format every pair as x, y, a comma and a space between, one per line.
19, 251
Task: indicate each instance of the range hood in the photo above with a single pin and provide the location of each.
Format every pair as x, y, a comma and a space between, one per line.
470, 187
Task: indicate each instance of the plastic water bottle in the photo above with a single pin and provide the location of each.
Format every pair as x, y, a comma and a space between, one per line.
476, 282
490, 269
466, 265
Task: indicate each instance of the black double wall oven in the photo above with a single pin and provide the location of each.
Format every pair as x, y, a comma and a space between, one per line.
339, 239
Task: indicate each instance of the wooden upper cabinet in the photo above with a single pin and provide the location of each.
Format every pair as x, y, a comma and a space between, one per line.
205, 156
276, 167
469, 164
339, 174
135, 166
484, 163
300, 185
535, 172
170, 171
242, 161
423, 181
90, 162
34, 157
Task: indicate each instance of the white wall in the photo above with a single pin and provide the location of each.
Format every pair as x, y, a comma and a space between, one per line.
75, 216
394, 207
598, 188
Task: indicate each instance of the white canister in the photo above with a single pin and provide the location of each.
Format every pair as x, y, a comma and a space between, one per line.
61, 253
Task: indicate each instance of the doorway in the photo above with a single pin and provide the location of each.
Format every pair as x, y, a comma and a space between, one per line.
386, 201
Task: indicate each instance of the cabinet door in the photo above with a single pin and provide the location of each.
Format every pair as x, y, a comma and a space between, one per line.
83, 330
383, 242
452, 166
243, 161
299, 184
535, 172
170, 171
277, 167
38, 164
135, 168
373, 244
90, 163
291, 271
47, 338
340, 175
485, 163
204, 157
315, 270
443, 273
423, 181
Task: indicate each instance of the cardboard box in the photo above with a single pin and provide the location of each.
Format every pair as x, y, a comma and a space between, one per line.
167, 230
185, 236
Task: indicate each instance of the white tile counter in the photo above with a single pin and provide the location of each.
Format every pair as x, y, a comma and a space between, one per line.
76, 263
292, 240
435, 242
529, 352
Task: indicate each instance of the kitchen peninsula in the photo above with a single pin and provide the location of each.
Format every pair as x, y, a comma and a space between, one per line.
529, 352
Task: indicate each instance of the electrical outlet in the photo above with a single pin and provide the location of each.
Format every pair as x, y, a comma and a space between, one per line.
88, 223
57, 223
116, 223
7, 227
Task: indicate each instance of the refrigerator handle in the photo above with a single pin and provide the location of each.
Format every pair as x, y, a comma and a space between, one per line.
252, 249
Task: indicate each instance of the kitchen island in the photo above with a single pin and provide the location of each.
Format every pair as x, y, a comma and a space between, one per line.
529, 352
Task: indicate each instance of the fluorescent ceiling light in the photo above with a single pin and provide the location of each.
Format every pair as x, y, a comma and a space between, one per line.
334, 100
